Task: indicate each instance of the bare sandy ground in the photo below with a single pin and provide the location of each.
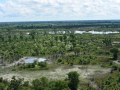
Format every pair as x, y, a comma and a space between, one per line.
57, 73
117, 62
21, 60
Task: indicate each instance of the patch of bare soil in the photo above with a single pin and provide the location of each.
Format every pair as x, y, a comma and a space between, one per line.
117, 62
57, 73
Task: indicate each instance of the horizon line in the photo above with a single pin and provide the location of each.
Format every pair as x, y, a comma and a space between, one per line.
62, 20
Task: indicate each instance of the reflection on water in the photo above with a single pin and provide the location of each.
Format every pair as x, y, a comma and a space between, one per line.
81, 32
41, 59
31, 60
102, 32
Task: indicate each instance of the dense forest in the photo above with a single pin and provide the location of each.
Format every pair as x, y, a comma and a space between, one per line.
58, 42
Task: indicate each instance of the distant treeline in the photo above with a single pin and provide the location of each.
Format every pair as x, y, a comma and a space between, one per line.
61, 24
69, 26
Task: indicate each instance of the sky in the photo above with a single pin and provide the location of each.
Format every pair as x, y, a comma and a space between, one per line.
55, 10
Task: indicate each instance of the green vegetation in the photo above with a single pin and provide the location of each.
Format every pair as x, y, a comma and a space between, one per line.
41, 84
13, 47
32, 66
115, 53
110, 82
60, 45
73, 80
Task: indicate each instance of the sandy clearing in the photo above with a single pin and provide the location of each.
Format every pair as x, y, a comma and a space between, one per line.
21, 60
117, 62
57, 73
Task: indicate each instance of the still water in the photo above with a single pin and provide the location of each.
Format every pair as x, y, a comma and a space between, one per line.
81, 32
31, 60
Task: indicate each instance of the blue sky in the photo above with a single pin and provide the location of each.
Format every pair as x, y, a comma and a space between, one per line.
50, 10
2, 1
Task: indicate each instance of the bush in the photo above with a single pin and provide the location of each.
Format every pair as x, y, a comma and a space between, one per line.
26, 83
1, 79
59, 60
42, 64
73, 77
2, 86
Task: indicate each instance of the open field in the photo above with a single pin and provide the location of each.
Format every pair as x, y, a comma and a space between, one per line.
58, 73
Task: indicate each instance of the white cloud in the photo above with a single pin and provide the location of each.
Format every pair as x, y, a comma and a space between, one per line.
60, 9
